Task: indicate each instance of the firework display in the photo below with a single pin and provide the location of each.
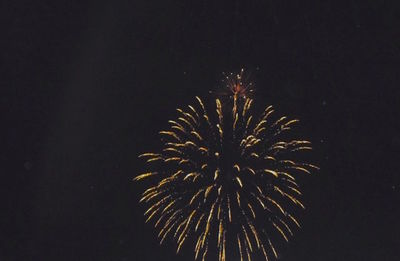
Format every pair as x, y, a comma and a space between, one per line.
225, 179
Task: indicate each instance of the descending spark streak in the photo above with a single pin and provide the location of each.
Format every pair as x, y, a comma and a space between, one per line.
145, 175
240, 248
224, 173
264, 252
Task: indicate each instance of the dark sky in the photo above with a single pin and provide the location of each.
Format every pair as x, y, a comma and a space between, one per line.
85, 88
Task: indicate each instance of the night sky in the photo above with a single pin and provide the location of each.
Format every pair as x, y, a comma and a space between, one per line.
85, 88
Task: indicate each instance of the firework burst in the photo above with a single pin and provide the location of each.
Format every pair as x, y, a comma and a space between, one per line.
226, 179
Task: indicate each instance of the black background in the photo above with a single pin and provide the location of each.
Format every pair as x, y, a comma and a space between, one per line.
87, 86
